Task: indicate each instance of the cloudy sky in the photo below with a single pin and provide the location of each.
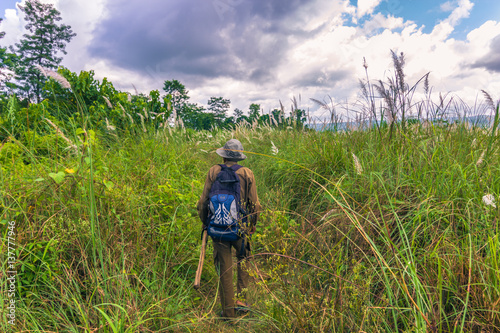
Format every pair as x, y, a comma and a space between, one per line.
264, 51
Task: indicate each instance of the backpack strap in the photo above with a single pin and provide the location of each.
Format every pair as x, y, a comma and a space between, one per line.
222, 168
236, 167
243, 251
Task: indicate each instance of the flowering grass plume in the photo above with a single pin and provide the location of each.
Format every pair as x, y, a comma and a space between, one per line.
60, 133
142, 121
474, 143
489, 200
274, 149
357, 165
108, 103
480, 160
54, 75
109, 127
255, 123
129, 117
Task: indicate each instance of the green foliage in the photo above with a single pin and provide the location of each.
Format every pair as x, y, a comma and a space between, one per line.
254, 112
178, 93
43, 145
238, 114
384, 249
11, 121
7, 61
83, 84
2, 57
9, 153
57, 177
193, 117
219, 106
191, 114
2, 34
38, 266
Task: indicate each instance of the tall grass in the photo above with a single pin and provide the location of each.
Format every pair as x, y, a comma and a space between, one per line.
379, 230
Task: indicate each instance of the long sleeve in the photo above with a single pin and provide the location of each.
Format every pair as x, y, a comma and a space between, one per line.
253, 203
202, 205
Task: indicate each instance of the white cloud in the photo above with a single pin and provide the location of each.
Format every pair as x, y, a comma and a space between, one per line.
83, 17
448, 60
339, 50
366, 7
380, 21
12, 25
323, 12
448, 6
444, 28
462, 11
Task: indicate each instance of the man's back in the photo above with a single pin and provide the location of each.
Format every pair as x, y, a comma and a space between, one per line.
248, 192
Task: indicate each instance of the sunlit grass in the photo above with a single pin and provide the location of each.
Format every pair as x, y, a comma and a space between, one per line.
357, 234
383, 228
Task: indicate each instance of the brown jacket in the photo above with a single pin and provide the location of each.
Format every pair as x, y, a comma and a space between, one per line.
248, 193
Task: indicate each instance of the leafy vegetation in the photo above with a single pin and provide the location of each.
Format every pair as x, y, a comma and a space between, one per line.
108, 235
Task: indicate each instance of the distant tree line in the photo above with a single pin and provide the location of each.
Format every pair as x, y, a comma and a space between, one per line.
33, 87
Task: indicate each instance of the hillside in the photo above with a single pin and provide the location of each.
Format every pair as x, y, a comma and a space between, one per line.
359, 232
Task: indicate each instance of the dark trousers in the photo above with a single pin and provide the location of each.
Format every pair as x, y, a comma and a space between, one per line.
223, 260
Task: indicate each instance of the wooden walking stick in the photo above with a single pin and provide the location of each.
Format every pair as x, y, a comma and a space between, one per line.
202, 259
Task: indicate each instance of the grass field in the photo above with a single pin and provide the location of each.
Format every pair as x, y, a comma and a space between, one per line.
391, 227
380, 230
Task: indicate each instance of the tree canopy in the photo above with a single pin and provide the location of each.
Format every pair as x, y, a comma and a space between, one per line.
219, 107
40, 46
178, 92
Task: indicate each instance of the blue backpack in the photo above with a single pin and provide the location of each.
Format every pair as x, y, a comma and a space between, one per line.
225, 214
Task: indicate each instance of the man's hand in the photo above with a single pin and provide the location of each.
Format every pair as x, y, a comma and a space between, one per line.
252, 230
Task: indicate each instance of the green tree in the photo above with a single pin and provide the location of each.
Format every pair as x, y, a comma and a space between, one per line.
179, 98
197, 119
192, 114
44, 39
276, 114
178, 92
237, 113
254, 112
219, 106
299, 115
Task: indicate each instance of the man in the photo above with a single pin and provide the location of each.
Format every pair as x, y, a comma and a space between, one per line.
232, 152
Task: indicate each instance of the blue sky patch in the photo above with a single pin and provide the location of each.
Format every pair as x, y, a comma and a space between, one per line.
6, 4
429, 13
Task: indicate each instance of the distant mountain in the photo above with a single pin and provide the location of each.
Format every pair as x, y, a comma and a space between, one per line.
478, 121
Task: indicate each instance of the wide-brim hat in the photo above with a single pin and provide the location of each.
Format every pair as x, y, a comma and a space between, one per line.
232, 150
